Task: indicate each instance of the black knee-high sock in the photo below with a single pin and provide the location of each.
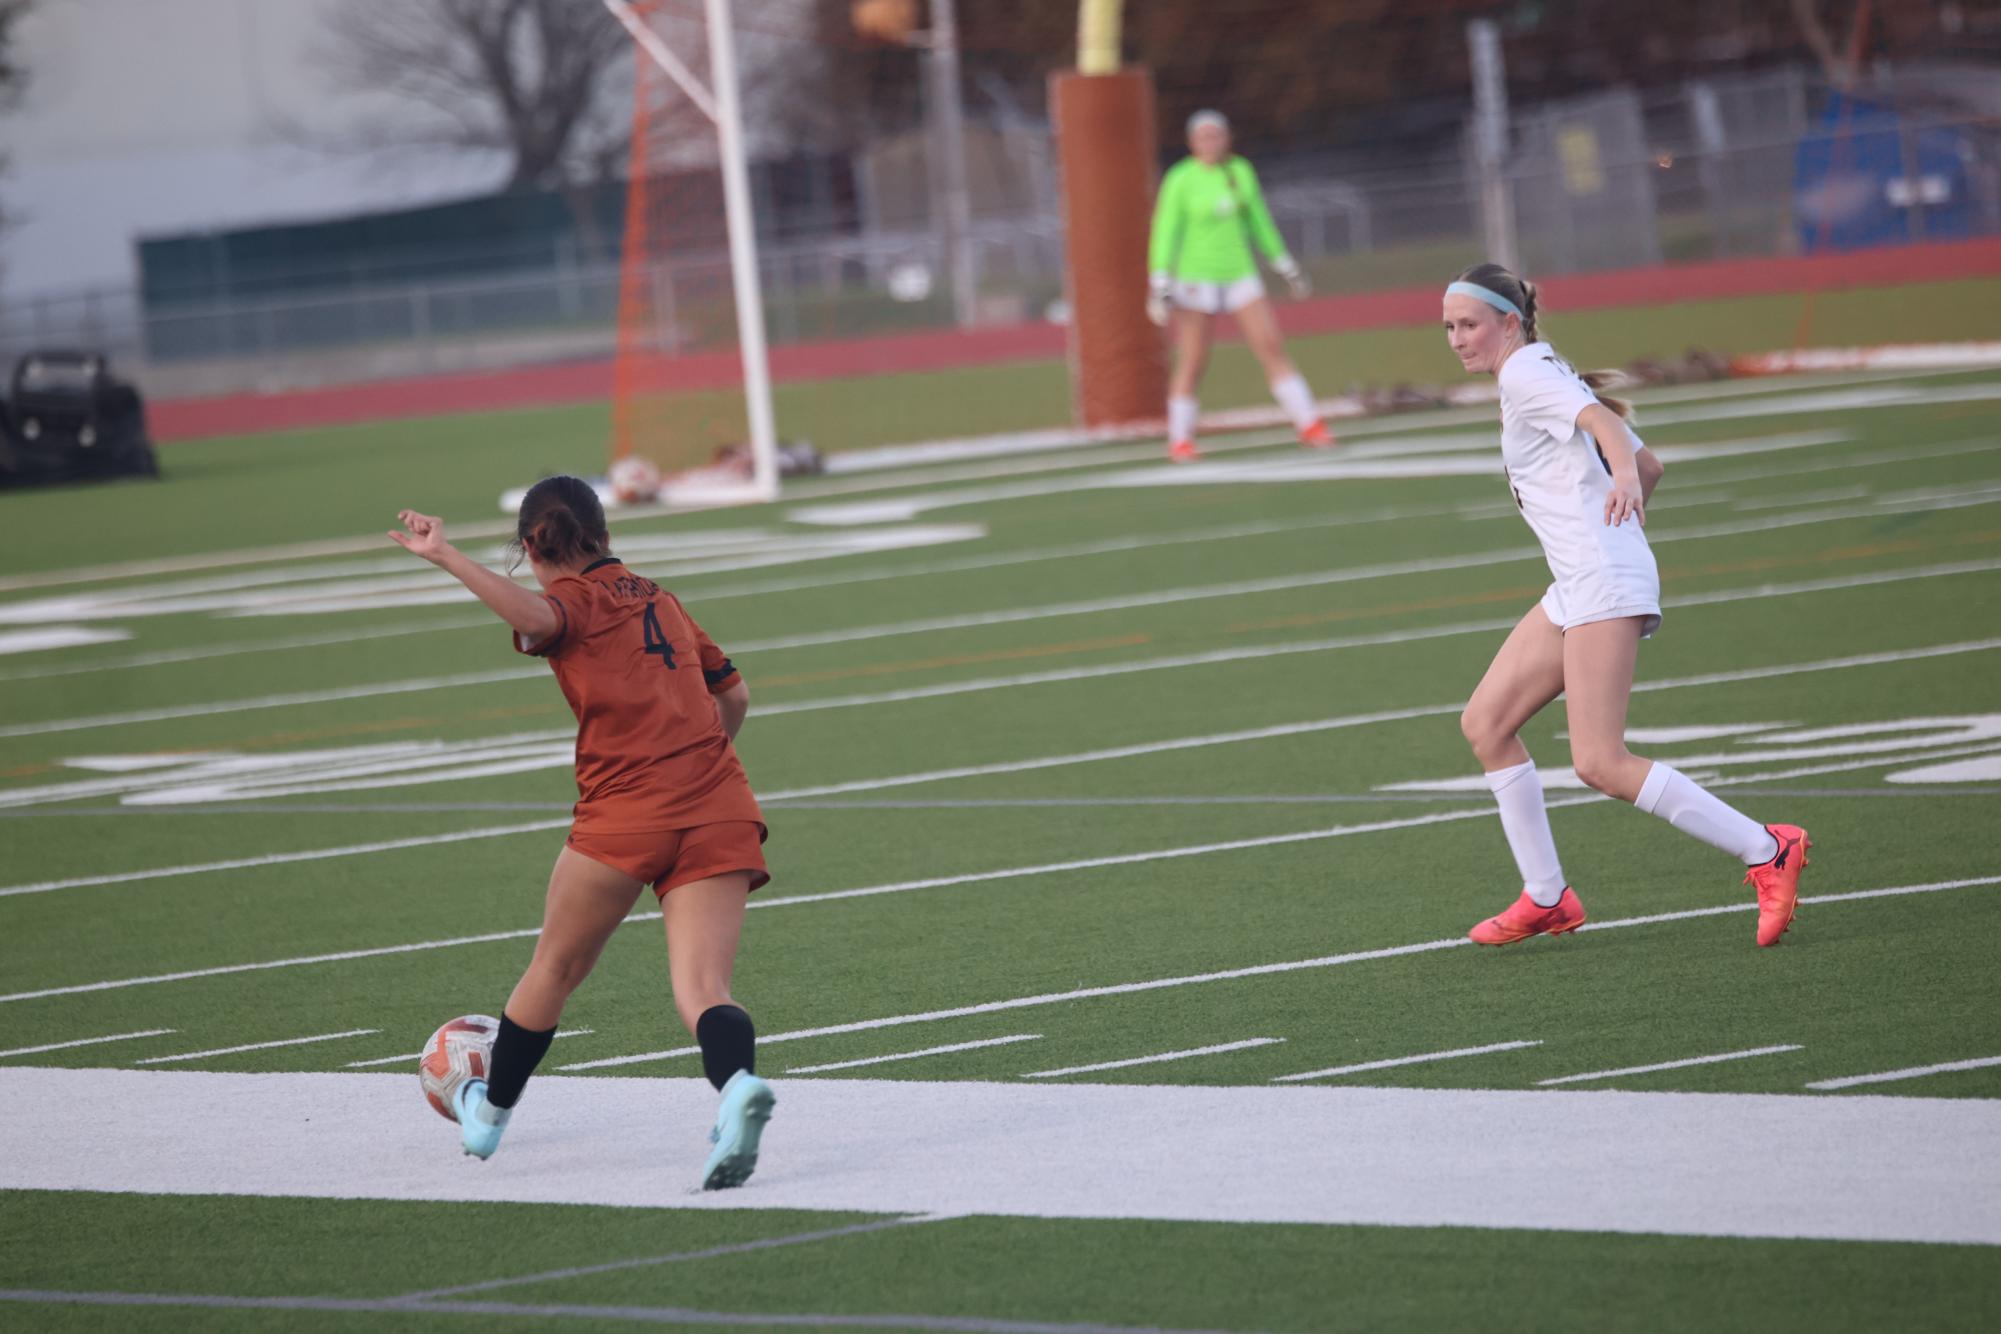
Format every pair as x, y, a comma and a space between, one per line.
729, 1043
516, 1053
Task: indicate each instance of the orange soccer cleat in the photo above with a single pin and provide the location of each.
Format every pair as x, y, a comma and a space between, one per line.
1183, 451
1316, 435
1778, 882
1525, 917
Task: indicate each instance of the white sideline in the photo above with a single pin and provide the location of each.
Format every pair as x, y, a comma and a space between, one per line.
1911, 1072
913, 1055
256, 1046
1668, 1065
86, 1042
1266, 969
1394, 1061
1772, 1165
1156, 1059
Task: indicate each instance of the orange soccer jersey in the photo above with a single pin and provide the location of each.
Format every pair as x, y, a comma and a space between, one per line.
638, 673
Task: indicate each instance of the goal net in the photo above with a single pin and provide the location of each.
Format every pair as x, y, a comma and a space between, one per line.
691, 400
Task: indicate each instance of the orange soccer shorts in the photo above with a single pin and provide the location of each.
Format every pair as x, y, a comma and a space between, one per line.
669, 858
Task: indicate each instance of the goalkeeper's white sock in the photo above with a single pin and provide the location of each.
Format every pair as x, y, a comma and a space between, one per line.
1181, 413
1525, 820
1297, 400
1670, 795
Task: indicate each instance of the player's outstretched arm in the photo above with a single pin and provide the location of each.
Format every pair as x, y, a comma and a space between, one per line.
531, 614
1621, 449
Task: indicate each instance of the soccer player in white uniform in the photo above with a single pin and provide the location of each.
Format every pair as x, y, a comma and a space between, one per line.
1582, 480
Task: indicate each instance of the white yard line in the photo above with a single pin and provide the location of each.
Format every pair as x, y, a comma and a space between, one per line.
43, 638
1463, 511
338, 956
1470, 419
553, 1315
1667, 1065
1153, 855
913, 1055
1043, 762
430, 1296
166, 657
1156, 1059
225, 777
1333, 1070
86, 1042
405, 1057
256, 1046
1321, 578
282, 858
1916, 501
1912, 1072
1268, 969
292, 700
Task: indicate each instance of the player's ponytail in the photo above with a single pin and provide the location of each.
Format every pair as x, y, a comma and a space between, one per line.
561, 522
1596, 381
1523, 293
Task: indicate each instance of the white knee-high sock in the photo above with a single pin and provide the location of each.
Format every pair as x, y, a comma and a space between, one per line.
1297, 400
1669, 794
1524, 819
1181, 412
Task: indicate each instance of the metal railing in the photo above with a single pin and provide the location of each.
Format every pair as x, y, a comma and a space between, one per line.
1699, 174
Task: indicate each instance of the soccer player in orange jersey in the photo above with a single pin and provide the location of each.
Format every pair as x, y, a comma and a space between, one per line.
662, 800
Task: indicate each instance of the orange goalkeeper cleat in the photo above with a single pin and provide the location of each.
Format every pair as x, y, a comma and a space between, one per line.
1183, 451
1525, 917
1778, 882
1317, 436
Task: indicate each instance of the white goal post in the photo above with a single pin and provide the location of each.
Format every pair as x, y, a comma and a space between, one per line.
723, 106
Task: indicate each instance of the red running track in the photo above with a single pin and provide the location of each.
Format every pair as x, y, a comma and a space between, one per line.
584, 382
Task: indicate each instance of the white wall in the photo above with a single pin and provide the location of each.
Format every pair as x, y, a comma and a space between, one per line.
149, 116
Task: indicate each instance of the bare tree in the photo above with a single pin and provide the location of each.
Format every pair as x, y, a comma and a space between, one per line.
526, 78
13, 76
1840, 67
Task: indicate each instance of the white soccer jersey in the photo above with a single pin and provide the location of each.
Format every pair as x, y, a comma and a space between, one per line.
1560, 480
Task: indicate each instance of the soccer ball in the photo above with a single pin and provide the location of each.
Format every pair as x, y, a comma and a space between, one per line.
462, 1049
634, 480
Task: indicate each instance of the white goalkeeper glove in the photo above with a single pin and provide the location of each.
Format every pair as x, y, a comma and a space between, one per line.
1157, 304
1296, 282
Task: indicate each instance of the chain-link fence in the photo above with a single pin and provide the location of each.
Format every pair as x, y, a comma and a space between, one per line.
1757, 165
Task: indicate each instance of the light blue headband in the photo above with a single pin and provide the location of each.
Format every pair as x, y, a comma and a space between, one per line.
1492, 298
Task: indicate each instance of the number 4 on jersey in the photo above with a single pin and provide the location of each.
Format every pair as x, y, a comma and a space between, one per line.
656, 640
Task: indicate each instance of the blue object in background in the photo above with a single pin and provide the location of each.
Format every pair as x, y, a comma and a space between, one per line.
1852, 187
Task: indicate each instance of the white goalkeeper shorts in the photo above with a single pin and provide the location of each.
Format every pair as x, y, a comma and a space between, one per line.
1218, 298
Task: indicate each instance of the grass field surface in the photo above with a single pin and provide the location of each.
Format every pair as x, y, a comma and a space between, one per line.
1113, 971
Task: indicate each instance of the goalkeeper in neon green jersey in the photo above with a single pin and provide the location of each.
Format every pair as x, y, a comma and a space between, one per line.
1210, 224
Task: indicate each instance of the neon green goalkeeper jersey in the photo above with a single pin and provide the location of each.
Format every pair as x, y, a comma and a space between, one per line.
1206, 220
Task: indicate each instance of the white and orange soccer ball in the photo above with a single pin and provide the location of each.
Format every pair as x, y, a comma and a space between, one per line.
634, 480
461, 1049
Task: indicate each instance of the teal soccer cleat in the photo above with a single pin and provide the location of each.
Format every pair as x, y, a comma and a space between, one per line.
746, 1106
480, 1122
